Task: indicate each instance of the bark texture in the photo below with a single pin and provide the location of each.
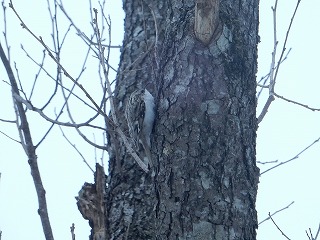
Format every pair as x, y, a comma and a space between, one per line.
205, 180
91, 204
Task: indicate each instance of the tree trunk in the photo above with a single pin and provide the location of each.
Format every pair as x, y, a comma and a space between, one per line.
204, 182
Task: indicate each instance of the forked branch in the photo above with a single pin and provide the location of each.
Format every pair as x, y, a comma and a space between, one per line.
274, 68
27, 144
114, 117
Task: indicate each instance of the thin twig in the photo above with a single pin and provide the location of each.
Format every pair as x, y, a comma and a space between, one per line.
27, 143
265, 78
297, 103
75, 148
10, 137
317, 233
274, 71
51, 77
19, 81
37, 75
7, 121
40, 40
272, 67
280, 210
311, 235
287, 37
295, 157
278, 227
275, 161
103, 152
5, 30
123, 137
80, 33
29, 105
73, 235
77, 129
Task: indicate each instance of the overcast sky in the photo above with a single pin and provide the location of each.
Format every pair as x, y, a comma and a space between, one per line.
286, 130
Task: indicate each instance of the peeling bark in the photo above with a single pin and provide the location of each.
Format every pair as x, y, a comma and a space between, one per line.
206, 20
91, 204
204, 184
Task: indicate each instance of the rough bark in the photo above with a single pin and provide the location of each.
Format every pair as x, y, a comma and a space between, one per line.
91, 204
204, 183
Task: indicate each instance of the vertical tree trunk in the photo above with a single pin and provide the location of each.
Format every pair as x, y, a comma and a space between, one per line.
204, 183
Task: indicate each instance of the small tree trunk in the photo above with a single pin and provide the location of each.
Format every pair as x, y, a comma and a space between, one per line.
204, 183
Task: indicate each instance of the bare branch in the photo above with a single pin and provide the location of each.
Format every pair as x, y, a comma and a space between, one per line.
7, 121
51, 77
275, 161
29, 105
5, 30
10, 137
73, 235
295, 157
26, 141
317, 233
278, 227
75, 148
272, 67
274, 70
143, 166
73, 122
265, 108
287, 37
280, 210
40, 40
311, 235
37, 74
82, 34
265, 78
41, 68
297, 103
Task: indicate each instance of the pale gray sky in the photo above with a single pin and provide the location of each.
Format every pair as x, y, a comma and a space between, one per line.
284, 132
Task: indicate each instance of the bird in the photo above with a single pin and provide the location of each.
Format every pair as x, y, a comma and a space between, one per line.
140, 116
